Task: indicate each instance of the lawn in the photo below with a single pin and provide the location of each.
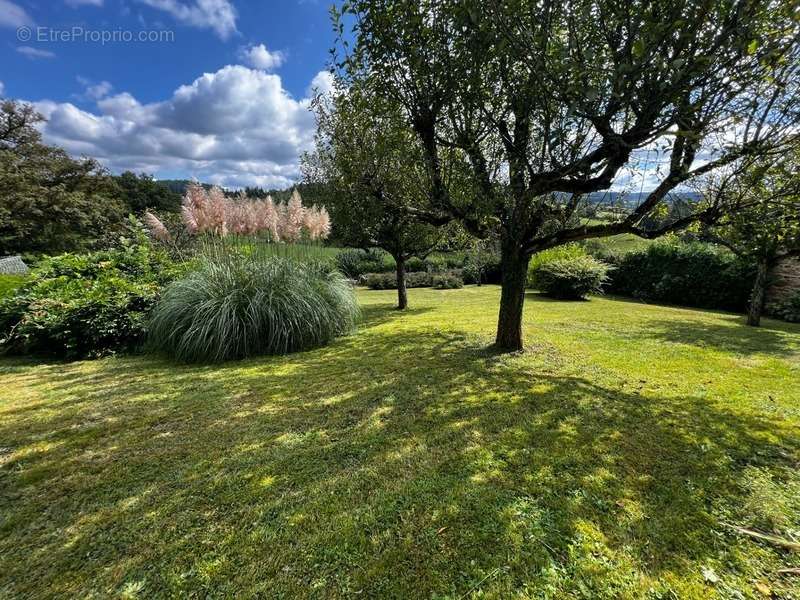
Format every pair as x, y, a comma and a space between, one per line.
408, 460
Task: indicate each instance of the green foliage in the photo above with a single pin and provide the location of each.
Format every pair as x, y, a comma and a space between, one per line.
50, 201
85, 305
142, 192
689, 274
353, 263
482, 264
787, 308
236, 305
388, 281
570, 276
10, 283
447, 281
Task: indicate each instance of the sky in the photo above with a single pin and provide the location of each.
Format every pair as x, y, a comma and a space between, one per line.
215, 90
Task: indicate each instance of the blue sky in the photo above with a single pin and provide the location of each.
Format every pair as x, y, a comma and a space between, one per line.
220, 94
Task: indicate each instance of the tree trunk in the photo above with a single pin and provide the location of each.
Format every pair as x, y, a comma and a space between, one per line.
514, 264
759, 293
402, 293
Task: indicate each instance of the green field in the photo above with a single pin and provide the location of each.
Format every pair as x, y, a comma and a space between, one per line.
409, 460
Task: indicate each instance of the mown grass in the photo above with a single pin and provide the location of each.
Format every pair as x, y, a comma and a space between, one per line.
408, 460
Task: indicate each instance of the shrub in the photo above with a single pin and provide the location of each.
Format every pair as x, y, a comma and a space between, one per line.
237, 306
482, 265
85, 305
10, 283
569, 277
353, 263
388, 281
691, 274
415, 265
787, 308
447, 281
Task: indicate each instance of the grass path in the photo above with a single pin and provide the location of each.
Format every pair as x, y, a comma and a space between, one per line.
407, 460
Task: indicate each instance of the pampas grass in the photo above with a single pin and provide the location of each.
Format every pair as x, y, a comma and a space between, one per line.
237, 305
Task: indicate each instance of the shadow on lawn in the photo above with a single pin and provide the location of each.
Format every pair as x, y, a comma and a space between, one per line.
395, 462
728, 333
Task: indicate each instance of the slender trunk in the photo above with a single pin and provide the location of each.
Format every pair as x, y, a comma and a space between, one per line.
759, 293
402, 293
514, 264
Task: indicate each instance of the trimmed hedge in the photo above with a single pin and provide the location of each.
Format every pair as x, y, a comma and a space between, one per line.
447, 281
688, 274
388, 281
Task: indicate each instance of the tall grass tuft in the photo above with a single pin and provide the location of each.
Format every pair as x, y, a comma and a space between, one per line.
236, 305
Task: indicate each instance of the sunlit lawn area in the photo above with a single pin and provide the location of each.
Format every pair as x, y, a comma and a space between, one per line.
409, 461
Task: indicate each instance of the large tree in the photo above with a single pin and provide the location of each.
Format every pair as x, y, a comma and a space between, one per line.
766, 229
548, 101
49, 202
368, 162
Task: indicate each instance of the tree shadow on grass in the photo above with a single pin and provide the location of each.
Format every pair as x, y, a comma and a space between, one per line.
728, 333
393, 463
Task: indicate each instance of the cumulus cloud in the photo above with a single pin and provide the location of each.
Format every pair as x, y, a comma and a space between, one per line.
12, 15
321, 84
217, 15
234, 127
95, 91
34, 53
261, 58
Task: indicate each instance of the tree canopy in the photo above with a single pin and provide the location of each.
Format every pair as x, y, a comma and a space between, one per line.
538, 103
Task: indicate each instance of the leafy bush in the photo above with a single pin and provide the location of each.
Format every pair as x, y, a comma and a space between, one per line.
237, 306
787, 308
353, 263
85, 305
10, 283
690, 274
482, 265
416, 265
568, 274
447, 281
388, 281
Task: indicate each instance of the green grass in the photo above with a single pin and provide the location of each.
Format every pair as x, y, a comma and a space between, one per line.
408, 460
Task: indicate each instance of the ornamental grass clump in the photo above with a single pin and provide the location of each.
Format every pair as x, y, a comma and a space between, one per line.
236, 305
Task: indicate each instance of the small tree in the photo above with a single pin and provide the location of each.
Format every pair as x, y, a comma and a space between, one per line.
367, 161
766, 229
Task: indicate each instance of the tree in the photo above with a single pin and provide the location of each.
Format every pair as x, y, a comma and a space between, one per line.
547, 102
366, 161
49, 202
767, 228
142, 192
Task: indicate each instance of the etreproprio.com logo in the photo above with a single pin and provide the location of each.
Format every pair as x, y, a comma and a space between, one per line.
93, 36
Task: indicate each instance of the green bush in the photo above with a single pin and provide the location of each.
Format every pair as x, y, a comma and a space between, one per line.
388, 281
447, 281
787, 308
416, 265
237, 306
353, 263
85, 305
10, 283
689, 274
567, 274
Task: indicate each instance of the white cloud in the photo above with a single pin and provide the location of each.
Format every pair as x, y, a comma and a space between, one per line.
218, 15
2, 88
12, 15
261, 58
34, 53
95, 91
321, 84
76, 3
235, 127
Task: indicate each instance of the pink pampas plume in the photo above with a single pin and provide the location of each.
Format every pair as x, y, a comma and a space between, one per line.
156, 227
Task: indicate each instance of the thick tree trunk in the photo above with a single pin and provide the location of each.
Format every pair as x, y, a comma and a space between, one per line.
759, 293
514, 264
402, 293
